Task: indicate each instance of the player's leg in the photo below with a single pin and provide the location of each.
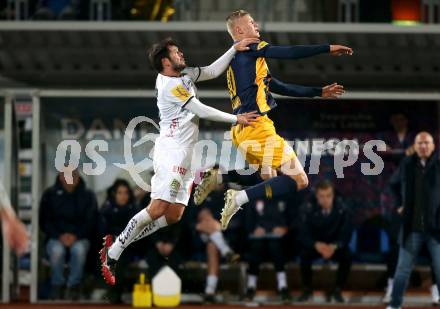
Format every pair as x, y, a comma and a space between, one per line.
293, 179
172, 215
248, 142
168, 187
215, 176
150, 218
146, 221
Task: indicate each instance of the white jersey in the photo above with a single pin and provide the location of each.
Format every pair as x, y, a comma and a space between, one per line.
178, 126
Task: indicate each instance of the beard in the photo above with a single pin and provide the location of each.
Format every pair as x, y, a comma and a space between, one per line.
178, 67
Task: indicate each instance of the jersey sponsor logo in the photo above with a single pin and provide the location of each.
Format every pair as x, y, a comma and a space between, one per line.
181, 93
147, 230
187, 83
174, 187
180, 170
262, 44
128, 231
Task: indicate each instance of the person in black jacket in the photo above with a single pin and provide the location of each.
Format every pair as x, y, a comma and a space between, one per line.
117, 210
325, 231
67, 216
267, 224
165, 249
416, 186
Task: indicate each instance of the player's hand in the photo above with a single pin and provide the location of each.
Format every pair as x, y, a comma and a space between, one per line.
332, 91
67, 239
339, 50
243, 44
247, 118
14, 232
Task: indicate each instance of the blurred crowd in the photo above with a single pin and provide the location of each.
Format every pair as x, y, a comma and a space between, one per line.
312, 227
266, 231
378, 11
86, 9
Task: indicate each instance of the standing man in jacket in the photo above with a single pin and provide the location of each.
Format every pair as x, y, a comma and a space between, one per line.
416, 185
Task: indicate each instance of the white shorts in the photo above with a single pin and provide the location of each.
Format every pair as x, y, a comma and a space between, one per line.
173, 178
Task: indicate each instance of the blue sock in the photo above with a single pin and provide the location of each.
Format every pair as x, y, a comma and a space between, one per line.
244, 180
272, 188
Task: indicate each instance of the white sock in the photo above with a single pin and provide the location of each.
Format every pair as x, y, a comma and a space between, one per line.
281, 280
434, 293
211, 284
151, 227
220, 242
241, 198
133, 228
252, 282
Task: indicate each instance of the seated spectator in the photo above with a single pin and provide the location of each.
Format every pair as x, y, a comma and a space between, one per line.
164, 250
114, 215
325, 231
267, 222
67, 215
216, 245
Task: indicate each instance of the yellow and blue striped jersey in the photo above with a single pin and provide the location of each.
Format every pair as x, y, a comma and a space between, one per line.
248, 82
248, 76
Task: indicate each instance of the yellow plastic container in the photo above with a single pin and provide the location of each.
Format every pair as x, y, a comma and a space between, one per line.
142, 297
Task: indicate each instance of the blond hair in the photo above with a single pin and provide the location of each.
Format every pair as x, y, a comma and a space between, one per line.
230, 20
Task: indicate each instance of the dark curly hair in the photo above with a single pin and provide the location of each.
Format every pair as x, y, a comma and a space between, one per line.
159, 51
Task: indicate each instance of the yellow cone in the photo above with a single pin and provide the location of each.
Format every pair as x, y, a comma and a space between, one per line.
167, 288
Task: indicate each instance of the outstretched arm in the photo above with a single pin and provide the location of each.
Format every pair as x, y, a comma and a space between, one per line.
263, 49
210, 113
215, 69
292, 90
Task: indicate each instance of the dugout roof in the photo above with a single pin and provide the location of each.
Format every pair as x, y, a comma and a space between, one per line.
103, 55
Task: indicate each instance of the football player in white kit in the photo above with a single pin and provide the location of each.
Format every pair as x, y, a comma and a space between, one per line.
179, 111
